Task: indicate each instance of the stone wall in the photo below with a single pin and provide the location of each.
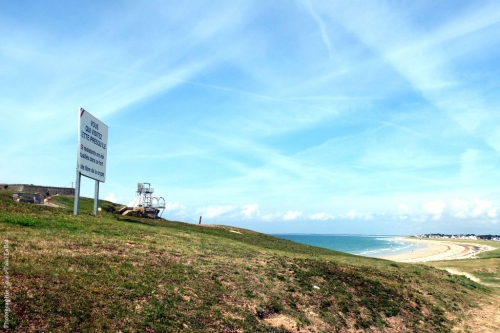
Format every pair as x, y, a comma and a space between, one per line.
43, 190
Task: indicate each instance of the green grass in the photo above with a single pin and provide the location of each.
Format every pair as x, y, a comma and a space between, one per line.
128, 274
486, 267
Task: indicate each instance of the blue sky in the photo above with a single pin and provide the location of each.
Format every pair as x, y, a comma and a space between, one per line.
366, 117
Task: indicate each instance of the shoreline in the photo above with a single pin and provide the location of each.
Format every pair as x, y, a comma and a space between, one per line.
437, 250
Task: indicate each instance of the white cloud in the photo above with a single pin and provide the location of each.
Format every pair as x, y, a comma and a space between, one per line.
480, 207
110, 197
476, 208
172, 206
291, 215
352, 214
460, 208
270, 130
435, 208
403, 212
271, 217
250, 211
214, 211
322, 27
321, 216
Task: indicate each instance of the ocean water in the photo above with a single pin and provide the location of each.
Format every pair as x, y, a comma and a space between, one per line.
369, 246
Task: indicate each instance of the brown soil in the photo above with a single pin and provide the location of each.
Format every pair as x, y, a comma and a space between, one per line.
483, 319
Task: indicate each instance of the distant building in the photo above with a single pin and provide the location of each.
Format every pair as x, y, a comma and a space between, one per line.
43, 191
460, 236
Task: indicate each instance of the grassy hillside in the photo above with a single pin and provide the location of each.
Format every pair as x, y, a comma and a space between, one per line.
113, 273
487, 269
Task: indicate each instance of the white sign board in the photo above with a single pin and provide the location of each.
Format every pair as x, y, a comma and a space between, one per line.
92, 146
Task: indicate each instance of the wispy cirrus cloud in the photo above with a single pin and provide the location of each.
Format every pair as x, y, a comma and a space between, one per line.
316, 114
322, 27
291, 215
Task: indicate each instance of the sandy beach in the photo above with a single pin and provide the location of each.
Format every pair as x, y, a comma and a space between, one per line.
436, 250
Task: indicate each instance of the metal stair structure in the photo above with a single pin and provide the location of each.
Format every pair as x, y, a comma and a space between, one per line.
145, 203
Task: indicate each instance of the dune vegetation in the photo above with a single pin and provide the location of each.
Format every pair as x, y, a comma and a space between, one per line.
115, 273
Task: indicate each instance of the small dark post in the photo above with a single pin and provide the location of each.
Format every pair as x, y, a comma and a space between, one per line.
199, 221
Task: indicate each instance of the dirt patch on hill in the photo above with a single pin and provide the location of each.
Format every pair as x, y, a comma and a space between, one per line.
483, 319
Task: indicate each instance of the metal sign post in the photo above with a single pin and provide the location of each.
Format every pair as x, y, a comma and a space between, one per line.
92, 154
77, 192
96, 197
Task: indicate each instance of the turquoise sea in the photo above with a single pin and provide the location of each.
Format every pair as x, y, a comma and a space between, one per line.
369, 246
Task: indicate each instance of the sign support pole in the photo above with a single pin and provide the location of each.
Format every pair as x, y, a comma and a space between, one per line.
96, 197
77, 192
91, 154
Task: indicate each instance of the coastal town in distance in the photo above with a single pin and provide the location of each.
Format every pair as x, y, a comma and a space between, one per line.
495, 238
